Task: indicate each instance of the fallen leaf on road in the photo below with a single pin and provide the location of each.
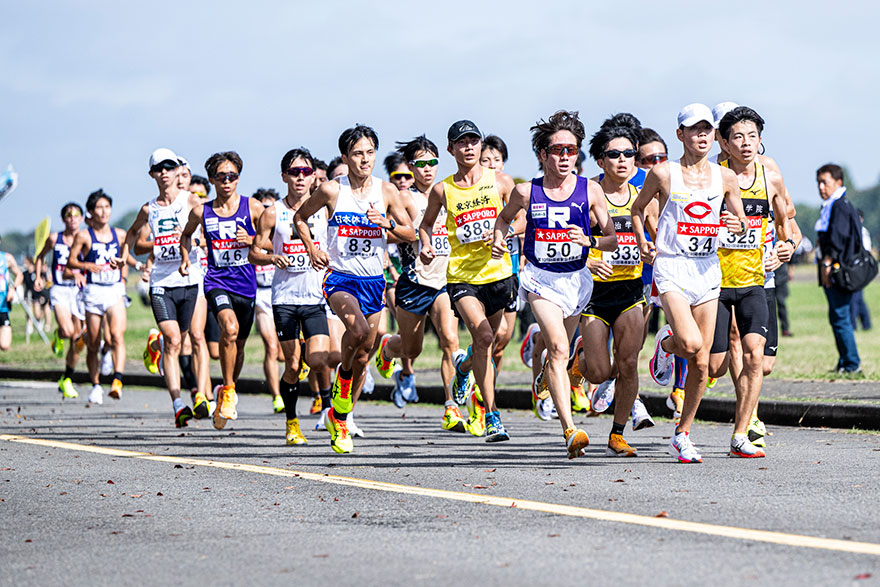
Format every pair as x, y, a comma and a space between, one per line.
549, 482
159, 494
355, 515
276, 503
322, 555
65, 493
105, 495
178, 466
491, 470
290, 487
619, 481
572, 484
110, 482
663, 514
28, 540
127, 515
857, 577
480, 487
136, 495
612, 499
552, 535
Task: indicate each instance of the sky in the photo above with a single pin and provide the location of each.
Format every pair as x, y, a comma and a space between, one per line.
89, 89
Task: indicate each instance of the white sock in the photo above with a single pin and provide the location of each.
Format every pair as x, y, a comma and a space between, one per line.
177, 405
449, 404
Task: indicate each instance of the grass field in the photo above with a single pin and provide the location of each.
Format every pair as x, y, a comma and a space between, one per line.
810, 354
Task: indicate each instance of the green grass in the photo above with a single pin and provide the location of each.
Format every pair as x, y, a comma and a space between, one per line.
810, 354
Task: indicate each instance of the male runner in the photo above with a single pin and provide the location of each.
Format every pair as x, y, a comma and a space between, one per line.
480, 287
230, 283
361, 210
64, 295
93, 252
421, 290
686, 268
297, 303
560, 208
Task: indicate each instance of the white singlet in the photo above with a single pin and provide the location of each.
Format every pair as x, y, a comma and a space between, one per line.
166, 224
356, 246
299, 284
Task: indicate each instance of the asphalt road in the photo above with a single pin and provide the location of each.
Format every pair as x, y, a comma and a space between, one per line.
191, 515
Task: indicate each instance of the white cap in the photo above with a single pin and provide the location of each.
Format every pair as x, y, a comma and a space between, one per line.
694, 113
721, 109
163, 154
184, 163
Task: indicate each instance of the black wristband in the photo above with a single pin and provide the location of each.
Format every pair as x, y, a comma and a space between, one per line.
791, 242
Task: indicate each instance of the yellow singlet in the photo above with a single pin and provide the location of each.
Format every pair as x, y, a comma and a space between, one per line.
625, 260
471, 212
742, 255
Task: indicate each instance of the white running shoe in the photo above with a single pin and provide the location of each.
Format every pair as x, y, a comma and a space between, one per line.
553, 413
353, 428
319, 425
545, 409
96, 396
106, 361
604, 395
662, 363
683, 449
742, 447
640, 416
525, 351
369, 384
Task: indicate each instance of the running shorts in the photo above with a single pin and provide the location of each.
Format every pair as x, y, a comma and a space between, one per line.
368, 291
772, 324
174, 303
221, 299
495, 297
697, 279
570, 291
613, 298
66, 296
212, 329
97, 299
4, 319
415, 297
750, 307
310, 319
264, 299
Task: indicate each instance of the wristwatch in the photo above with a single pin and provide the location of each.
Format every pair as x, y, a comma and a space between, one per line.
594, 242
391, 225
791, 242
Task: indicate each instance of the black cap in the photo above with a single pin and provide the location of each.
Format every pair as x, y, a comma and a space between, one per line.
462, 128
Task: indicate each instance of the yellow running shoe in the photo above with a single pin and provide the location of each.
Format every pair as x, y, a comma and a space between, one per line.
340, 397
303, 370
294, 434
476, 423
579, 400
218, 420
317, 405
384, 366
542, 387
575, 377
151, 357
57, 344
340, 439
710, 383
618, 447
576, 441
116, 389
228, 402
65, 386
453, 420
277, 404
201, 409
80, 342
675, 400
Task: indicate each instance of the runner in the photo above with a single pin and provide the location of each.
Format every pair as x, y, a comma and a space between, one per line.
686, 268
361, 210
230, 284
556, 281
297, 304
480, 287
264, 317
422, 292
7, 292
172, 295
93, 252
64, 295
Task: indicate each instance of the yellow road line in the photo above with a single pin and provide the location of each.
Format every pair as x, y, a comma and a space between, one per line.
780, 538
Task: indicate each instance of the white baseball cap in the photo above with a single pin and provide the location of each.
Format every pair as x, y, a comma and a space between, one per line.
721, 109
184, 163
694, 113
163, 154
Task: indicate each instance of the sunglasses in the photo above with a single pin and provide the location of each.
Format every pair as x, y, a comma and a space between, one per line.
562, 150
401, 175
614, 153
166, 165
296, 171
655, 159
420, 163
73, 214
224, 177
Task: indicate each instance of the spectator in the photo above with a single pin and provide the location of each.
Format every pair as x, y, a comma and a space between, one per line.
858, 309
839, 237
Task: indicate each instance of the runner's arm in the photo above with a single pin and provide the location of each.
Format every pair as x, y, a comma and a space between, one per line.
402, 228
14, 269
257, 254
81, 241
131, 236
38, 262
517, 201
640, 211
323, 197
436, 200
192, 223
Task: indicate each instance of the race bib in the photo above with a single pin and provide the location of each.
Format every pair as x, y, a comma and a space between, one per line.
203, 259
358, 241
554, 246
106, 274
697, 240
471, 226
440, 241
229, 252
513, 245
265, 274
166, 248
627, 252
750, 239
298, 256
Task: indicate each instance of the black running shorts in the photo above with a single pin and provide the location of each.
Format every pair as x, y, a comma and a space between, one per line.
311, 319
495, 297
750, 306
220, 299
174, 303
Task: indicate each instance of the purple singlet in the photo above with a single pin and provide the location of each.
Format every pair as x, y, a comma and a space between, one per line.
547, 245
228, 265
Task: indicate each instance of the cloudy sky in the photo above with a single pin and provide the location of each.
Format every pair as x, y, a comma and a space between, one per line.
89, 89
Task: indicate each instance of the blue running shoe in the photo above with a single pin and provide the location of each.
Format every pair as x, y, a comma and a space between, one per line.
461, 383
397, 393
495, 431
408, 387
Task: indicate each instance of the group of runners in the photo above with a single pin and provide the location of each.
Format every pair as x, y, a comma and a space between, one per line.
698, 237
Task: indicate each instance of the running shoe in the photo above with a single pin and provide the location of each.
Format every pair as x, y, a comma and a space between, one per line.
618, 447
476, 423
68, 391
575, 377
604, 395
710, 383
675, 401
683, 449
528, 343
742, 448
495, 431
453, 420
201, 408
277, 404
542, 386
640, 416
96, 396
106, 360
661, 363
576, 441
757, 432
151, 357
384, 366
539, 406
57, 344
183, 416
80, 342
217, 418
462, 382
580, 401
293, 434
369, 382
316, 405
340, 439
340, 398
228, 402
303, 370
397, 391
116, 389
319, 425
353, 428
408, 387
